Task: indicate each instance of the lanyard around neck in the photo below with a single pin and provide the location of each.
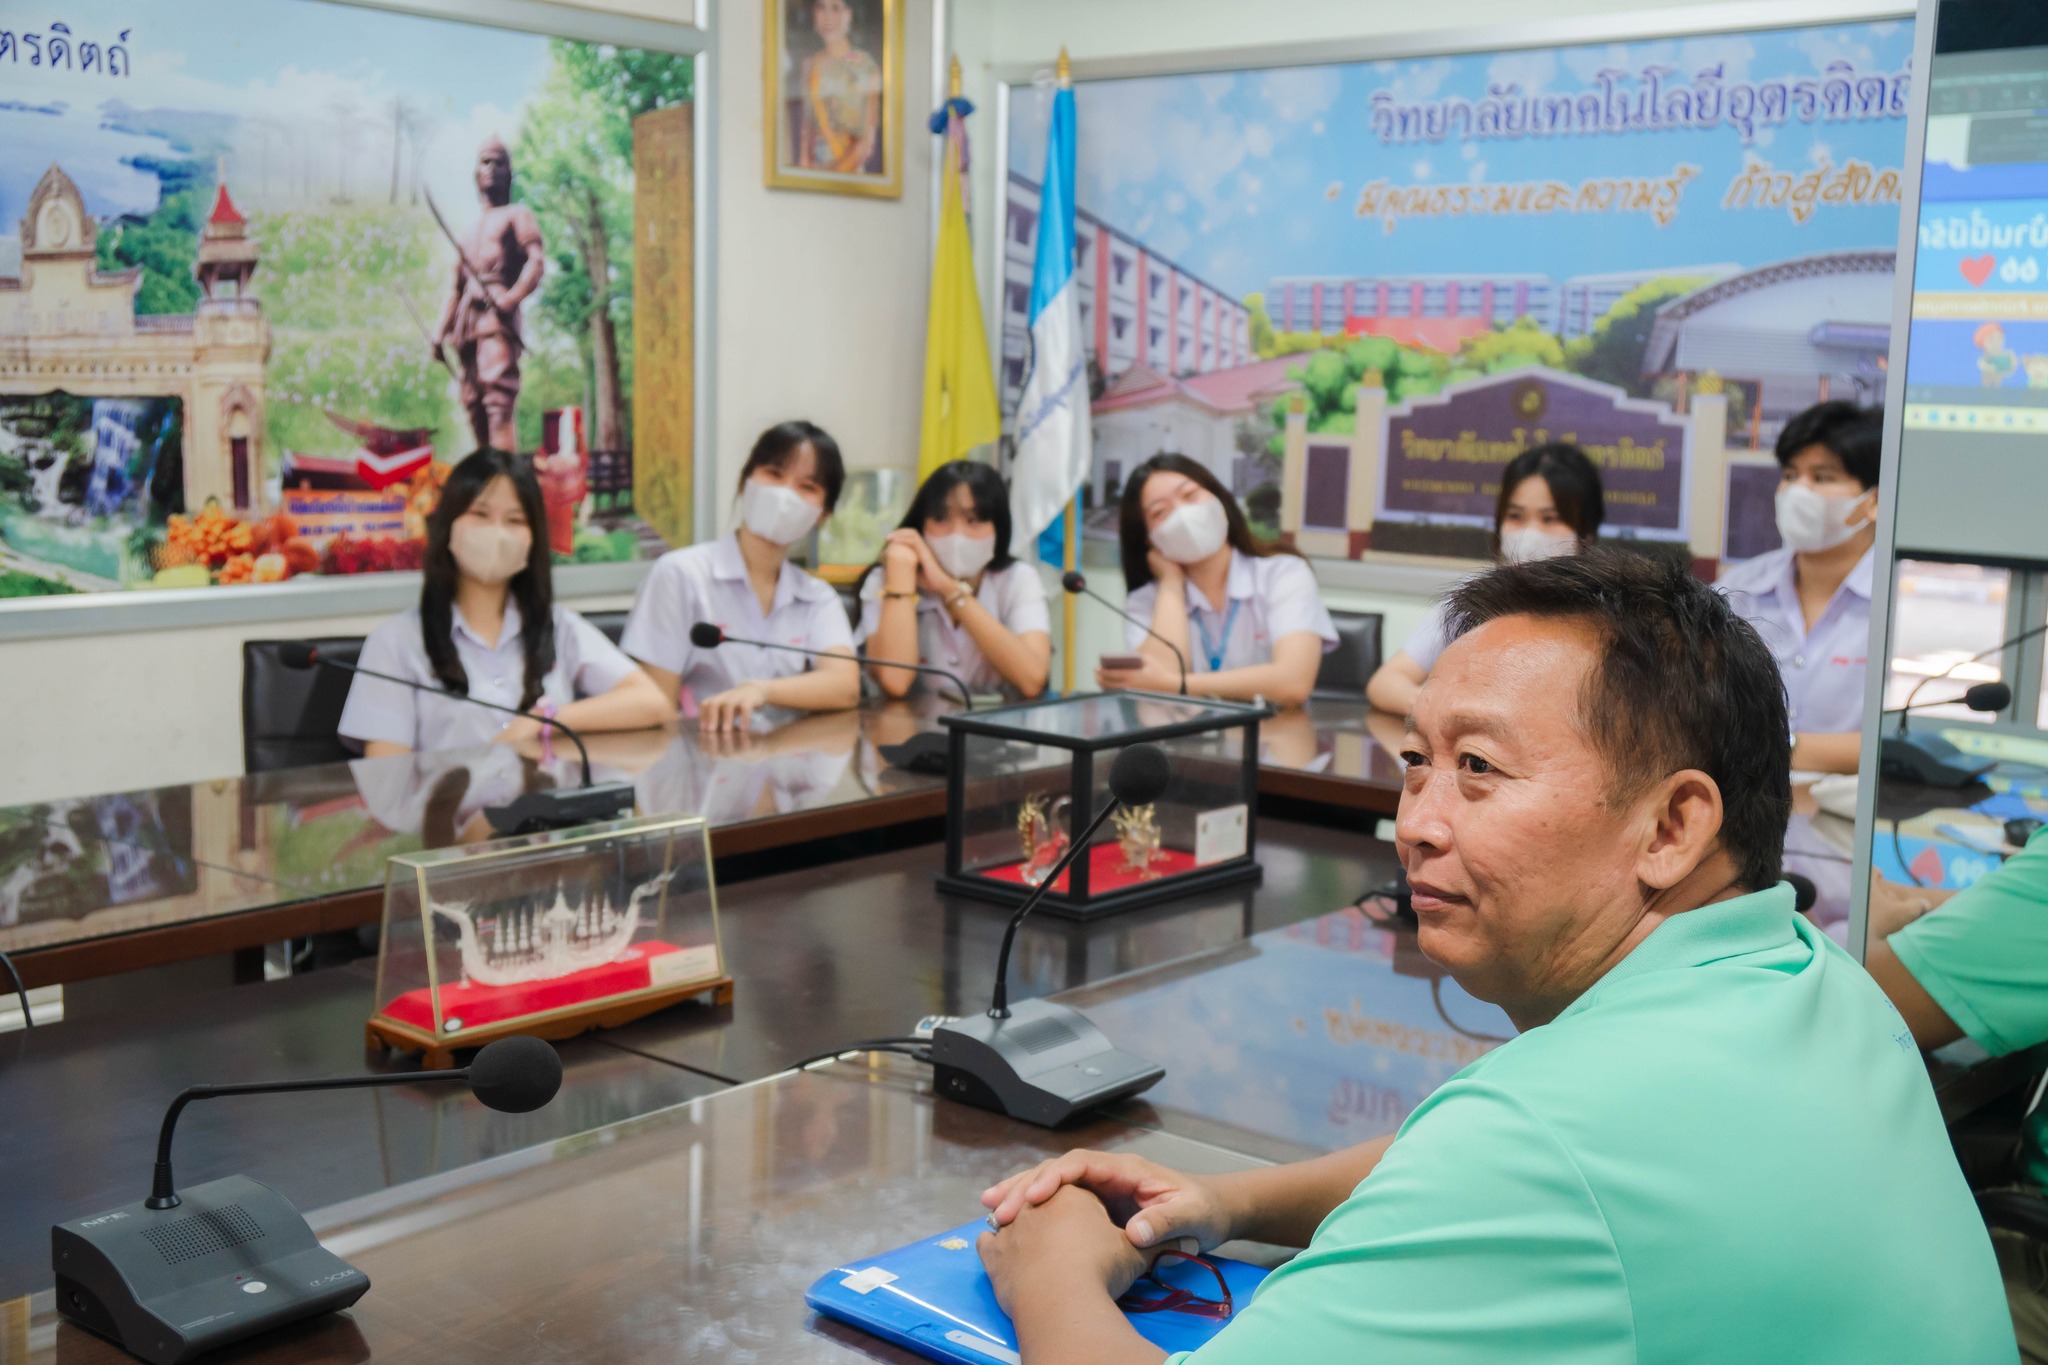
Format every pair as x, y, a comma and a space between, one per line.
1215, 647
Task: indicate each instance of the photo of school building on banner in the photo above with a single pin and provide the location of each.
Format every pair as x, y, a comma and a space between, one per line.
1355, 291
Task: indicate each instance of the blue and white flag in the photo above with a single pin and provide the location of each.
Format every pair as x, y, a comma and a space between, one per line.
1052, 451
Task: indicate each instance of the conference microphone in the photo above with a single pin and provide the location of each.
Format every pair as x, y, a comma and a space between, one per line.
1073, 582
184, 1273
531, 812
1042, 1062
704, 635
1929, 759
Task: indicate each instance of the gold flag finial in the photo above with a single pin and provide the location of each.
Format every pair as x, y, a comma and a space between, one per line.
953, 79
1065, 70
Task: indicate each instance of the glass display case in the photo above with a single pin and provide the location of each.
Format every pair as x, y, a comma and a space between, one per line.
1022, 779
547, 934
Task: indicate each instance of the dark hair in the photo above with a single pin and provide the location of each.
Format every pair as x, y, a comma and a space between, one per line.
1683, 682
1573, 482
1855, 435
991, 496
532, 588
1130, 522
774, 447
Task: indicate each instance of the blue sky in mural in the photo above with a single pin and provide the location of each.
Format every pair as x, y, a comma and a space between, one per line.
1245, 176
284, 81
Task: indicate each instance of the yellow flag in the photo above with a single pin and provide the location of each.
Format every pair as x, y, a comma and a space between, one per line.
960, 410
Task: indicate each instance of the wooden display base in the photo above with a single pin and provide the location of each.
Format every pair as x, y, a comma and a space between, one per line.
553, 1026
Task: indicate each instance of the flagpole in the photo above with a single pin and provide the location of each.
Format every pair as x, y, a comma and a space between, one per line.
1065, 75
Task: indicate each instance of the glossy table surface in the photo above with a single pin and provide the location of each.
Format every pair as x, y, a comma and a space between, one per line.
823, 957
80, 870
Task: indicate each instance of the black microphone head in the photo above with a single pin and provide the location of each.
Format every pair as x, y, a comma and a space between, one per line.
1988, 696
1139, 775
1072, 581
516, 1075
704, 635
1804, 892
297, 654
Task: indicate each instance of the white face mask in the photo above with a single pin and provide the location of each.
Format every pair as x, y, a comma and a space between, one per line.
775, 513
962, 556
1529, 544
1810, 522
488, 553
1193, 532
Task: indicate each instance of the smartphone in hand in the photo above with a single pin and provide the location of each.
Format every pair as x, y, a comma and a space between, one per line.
1122, 663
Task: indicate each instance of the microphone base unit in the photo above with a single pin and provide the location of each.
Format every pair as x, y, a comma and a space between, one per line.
562, 808
1929, 760
232, 1259
1045, 1064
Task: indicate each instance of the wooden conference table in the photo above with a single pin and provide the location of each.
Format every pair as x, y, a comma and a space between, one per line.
96, 885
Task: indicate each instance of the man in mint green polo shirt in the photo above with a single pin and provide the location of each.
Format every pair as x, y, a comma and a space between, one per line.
1977, 965
1713, 1139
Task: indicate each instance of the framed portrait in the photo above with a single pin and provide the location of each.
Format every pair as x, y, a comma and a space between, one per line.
833, 84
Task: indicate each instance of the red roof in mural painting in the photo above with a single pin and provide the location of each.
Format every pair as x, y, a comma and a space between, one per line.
1447, 335
225, 214
1237, 389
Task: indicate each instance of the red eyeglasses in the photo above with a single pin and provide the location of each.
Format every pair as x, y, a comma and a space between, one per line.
1162, 1288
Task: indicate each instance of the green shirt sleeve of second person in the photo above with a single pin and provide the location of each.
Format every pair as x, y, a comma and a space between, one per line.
1983, 954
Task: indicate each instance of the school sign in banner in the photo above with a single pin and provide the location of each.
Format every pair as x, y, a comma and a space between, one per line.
1641, 222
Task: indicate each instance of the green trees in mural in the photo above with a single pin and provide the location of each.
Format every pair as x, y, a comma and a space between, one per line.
1613, 351
573, 165
165, 242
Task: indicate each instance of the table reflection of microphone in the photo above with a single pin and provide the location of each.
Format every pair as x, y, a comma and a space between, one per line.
1074, 583
532, 811
704, 635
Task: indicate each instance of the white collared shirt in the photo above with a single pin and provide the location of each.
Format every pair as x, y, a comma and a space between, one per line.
1278, 597
586, 665
1823, 668
709, 583
1014, 595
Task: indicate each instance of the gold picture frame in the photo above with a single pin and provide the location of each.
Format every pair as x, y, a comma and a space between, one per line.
812, 111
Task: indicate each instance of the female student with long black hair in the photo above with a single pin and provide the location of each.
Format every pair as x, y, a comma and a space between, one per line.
1248, 617
487, 627
1550, 504
947, 592
744, 583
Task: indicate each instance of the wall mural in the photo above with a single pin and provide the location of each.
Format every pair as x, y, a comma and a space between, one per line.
1354, 291
269, 270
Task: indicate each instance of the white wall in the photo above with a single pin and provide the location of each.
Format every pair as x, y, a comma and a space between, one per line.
820, 314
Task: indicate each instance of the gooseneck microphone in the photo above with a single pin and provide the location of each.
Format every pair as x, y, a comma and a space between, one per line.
1074, 582
704, 635
1044, 1062
584, 804
513, 1075
184, 1273
1983, 696
1137, 778
1929, 759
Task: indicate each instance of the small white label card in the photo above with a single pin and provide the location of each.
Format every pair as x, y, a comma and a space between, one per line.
1220, 834
684, 964
867, 1281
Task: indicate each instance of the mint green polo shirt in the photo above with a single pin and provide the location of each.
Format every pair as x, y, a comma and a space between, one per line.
1983, 955
1726, 1150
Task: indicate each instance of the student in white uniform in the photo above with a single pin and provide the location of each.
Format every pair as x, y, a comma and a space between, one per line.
745, 585
487, 627
1550, 503
948, 594
1248, 617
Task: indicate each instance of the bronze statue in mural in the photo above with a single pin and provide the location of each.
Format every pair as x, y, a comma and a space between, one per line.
497, 267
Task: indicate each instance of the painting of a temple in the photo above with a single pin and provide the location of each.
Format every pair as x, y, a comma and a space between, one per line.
67, 326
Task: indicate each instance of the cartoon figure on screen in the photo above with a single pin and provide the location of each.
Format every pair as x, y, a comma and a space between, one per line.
505, 950
1994, 362
842, 97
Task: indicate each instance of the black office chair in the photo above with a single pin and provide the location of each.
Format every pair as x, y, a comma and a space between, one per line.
290, 716
612, 623
1348, 667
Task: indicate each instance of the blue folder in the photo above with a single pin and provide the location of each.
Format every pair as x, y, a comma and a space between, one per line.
933, 1297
